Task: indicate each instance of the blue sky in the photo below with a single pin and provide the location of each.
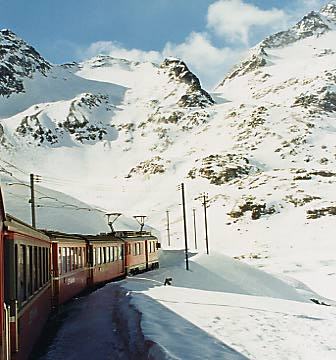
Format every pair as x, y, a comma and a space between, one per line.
76, 29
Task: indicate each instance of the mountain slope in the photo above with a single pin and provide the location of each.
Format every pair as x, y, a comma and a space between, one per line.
265, 154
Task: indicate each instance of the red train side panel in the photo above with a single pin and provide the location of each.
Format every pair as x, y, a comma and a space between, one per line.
2, 271
28, 286
152, 245
140, 251
106, 258
69, 266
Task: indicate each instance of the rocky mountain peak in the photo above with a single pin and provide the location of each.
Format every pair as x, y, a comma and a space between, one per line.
329, 10
312, 24
17, 61
108, 61
178, 71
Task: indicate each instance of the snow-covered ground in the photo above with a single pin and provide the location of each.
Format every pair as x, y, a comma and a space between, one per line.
220, 309
222, 301
121, 136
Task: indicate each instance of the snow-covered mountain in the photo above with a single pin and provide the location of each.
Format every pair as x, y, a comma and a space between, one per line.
123, 134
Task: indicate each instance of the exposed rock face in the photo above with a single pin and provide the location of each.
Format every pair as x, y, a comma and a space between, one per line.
219, 169
153, 166
325, 100
257, 210
79, 123
317, 213
329, 10
195, 95
18, 61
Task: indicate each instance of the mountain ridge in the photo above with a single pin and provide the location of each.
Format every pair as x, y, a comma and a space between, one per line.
264, 151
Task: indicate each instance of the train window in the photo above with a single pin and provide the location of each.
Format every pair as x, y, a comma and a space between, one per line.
35, 269
150, 246
107, 254
94, 256
22, 273
48, 264
16, 254
59, 261
30, 270
104, 255
83, 257
112, 253
80, 259
45, 264
64, 260
72, 257
42, 266
75, 259
40, 253
115, 248
121, 253
68, 252
99, 255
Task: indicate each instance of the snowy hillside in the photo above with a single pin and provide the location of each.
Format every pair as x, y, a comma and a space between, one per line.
122, 135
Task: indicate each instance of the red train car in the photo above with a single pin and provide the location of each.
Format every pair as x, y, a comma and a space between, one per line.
27, 285
152, 253
106, 258
4, 346
140, 251
69, 266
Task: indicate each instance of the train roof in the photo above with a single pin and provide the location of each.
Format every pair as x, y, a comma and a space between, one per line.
17, 225
103, 237
60, 236
65, 237
135, 235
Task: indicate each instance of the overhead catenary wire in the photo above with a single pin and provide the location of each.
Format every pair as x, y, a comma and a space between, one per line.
50, 180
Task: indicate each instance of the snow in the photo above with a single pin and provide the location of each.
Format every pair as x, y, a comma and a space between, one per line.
61, 84
219, 309
258, 116
212, 303
57, 211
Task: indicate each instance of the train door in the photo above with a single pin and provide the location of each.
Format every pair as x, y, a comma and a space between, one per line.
147, 255
4, 315
1, 280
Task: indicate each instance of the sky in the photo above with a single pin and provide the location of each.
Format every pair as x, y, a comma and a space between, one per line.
209, 35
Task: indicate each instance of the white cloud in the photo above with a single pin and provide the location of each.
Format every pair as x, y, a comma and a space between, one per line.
115, 49
235, 19
209, 62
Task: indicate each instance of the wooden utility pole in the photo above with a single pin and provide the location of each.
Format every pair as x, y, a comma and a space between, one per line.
205, 199
195, 234
168, 228
32, 201
185, 227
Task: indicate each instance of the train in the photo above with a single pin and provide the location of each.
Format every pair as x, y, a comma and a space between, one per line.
41, 269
